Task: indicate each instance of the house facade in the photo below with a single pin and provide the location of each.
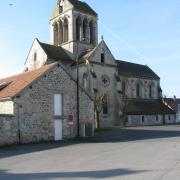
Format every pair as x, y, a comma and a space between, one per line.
41, 103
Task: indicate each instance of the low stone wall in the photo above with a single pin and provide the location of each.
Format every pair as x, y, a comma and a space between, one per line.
8, 130
147, 120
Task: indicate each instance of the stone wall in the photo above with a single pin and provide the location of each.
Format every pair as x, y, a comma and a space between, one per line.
146, 120
130, 90
37, 107
8, 130
40, 60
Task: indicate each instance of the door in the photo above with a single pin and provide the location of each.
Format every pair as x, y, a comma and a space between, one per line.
58, 130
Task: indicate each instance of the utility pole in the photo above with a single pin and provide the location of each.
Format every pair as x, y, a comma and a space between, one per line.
77, 68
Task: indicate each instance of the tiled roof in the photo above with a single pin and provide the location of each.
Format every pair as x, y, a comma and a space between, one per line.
135, 70
55, 52
146, 107
82, 6
15, 84
173, 103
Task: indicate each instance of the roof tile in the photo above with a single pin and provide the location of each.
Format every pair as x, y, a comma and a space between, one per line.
18, 82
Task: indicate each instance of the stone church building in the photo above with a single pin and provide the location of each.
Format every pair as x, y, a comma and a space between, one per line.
40, 104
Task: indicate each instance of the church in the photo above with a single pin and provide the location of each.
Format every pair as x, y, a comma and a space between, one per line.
74, 84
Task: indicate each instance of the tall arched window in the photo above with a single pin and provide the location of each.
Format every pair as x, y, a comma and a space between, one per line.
123, 89
150, 91
66, 30
78, 29
105, 105
60, 32
91, 28
138, 90
85, 76
55, 34
85, 29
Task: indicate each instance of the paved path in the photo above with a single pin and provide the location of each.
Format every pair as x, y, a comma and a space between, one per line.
146, 153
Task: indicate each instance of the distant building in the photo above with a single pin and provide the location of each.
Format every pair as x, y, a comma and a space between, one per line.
40, 103
174, 103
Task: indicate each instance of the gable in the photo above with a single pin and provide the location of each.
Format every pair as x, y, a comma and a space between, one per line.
36, 57
96, 54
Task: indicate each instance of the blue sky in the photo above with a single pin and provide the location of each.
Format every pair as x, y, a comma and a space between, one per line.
141, 31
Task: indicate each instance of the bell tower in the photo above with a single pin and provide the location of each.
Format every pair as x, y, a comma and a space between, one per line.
73, 26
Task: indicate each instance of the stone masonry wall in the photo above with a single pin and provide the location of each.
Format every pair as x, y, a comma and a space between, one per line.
8, 130
37, 102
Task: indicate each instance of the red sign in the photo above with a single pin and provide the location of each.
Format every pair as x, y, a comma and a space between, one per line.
71, 118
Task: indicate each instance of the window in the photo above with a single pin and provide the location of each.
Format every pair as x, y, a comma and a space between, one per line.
55, 34
105, 106
138, 90
102, 58
123, 89
85, 76
35, 56
157, 118
169, 117
142, 118
150, 91
85, 29
66, 30
91, 32
78, 28
60, 9
58, 105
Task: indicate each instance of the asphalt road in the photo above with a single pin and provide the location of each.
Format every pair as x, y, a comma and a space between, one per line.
146, 153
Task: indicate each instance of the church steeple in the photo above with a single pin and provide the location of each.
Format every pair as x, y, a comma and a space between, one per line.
73, 25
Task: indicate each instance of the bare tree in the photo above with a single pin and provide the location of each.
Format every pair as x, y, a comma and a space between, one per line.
99, 101
123, 104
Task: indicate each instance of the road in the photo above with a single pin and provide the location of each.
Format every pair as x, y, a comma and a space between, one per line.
144, 153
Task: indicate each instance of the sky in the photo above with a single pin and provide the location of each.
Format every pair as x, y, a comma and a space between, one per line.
141, 31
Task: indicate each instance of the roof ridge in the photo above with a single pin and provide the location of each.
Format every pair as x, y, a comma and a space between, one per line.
131, 62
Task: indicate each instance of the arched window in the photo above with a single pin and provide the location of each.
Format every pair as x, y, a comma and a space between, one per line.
142, 119
138, 90
91, 28
60, 32
85, 80
105, 106
66, 30
151, 91
123, 89
55, 34
85, 29
78, 28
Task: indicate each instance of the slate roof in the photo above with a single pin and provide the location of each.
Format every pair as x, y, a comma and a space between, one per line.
82, 6
135, 70
146, 107
78, 5
15, 84
55, 52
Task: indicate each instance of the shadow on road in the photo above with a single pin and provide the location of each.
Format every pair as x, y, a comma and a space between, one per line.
113, 136
133, 134
81, 174
30, 148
